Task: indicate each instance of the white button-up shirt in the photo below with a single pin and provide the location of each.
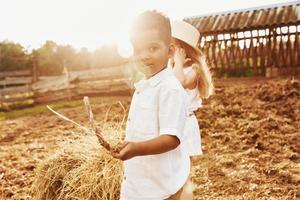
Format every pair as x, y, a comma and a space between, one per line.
158, 107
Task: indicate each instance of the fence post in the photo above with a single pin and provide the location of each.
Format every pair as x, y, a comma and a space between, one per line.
35, 77
67, 76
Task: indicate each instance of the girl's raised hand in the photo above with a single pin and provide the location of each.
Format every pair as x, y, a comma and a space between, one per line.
179, 55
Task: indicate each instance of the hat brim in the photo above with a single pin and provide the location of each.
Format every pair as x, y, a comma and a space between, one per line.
198, 50
193, 47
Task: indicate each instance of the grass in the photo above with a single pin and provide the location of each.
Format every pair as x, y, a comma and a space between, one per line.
38, 109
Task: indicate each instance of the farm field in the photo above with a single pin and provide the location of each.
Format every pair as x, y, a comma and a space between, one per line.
250, 135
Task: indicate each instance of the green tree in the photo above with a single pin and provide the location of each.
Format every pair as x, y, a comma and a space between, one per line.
13, 56
65, 55
83, 60
48, 63
106, 56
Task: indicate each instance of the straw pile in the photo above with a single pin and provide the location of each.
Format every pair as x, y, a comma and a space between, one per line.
80, 170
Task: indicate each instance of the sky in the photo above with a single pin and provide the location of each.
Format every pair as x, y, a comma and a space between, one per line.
93, 23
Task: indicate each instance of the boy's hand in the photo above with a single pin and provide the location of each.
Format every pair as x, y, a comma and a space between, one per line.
124, 151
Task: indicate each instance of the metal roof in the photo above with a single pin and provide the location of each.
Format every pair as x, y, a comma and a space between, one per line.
258, 17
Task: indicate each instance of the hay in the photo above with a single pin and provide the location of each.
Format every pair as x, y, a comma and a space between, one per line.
80, 170
93, 128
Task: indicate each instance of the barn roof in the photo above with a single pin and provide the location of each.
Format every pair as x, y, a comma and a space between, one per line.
258, 17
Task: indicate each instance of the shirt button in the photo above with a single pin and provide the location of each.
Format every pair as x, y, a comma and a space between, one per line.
137, 92
128, 119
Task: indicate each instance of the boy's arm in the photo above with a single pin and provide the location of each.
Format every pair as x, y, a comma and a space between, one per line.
172, 116
158, 145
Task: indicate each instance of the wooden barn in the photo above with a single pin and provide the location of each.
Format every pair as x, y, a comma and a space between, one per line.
261, 41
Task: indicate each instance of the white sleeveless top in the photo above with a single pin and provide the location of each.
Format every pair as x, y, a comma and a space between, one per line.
195, 101
192, 141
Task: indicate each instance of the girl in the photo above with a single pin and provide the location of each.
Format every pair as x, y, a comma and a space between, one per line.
192, 71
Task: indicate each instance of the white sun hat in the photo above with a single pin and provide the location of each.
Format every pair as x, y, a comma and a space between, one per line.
186, 32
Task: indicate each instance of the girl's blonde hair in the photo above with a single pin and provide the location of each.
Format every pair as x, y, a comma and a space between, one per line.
204, 77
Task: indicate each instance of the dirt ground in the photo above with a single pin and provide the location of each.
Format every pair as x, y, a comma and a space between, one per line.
250, 137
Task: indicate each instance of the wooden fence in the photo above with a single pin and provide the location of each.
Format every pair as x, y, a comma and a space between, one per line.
259, 41
262, 52
15, 89
18, 89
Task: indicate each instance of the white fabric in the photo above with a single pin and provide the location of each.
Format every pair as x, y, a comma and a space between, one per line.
195, 101
192, 142
192, 131
159, 106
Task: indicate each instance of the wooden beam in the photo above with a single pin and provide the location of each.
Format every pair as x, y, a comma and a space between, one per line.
15, 73
15, 99
15, 81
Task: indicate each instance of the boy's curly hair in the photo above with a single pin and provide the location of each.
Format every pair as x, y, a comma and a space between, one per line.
153, 20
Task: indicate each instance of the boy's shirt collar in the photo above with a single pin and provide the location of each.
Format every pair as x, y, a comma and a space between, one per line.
154, 80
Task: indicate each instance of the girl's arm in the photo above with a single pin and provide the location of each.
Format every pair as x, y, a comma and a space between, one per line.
188, 80
158, 145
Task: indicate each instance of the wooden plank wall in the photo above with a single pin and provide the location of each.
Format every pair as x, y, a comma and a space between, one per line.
256, 52
17, 89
